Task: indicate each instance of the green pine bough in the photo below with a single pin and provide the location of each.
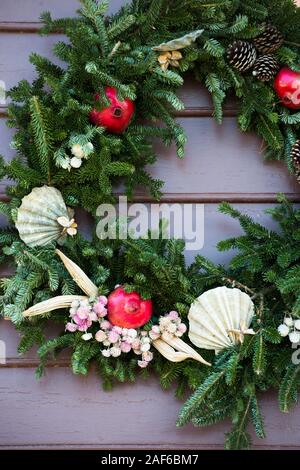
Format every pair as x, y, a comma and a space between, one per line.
51, 117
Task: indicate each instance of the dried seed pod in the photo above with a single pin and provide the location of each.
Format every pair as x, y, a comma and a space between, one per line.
56, 303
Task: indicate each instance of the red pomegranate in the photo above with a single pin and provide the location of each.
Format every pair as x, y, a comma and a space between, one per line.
117, 116
287, 87
128, 310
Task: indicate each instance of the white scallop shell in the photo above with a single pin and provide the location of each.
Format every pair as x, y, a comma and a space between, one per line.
39, 214
215, 314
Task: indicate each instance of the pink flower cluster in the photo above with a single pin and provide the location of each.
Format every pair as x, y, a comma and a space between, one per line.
119, 340
83, 313
169, 324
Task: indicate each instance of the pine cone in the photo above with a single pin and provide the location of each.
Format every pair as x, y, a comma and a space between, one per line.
241, 55
269, 40
265, 68
295, 154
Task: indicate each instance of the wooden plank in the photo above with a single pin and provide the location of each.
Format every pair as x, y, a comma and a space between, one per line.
11, 338
217, 227
29, 10
220, 159
220, 163
20, 46
63, 410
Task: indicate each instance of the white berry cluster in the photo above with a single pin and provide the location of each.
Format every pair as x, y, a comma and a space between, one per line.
116, 340
119, 340
169, 324
79, 152
290, 328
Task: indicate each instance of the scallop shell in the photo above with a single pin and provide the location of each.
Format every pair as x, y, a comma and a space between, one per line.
219, 318
43, 216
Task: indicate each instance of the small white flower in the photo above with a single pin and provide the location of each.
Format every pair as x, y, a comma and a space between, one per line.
100, 336
87, 336
106, 342
128, 339
88, 149
77, 150
106, 353
178, 334
142, 364
155, 329
154, 335
172, 328
145, 347
294, 337
132, 333
69, 225
90, 146
288, 321
117, 329
75, 304
115, 352
136, 344
283, 330
297, 324
147, 356
164, 322
76, 162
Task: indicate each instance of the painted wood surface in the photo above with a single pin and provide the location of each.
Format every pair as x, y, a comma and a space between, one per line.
29, 10
66, 411
219, 159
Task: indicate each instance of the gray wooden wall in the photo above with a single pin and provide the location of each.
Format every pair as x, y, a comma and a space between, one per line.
64, 411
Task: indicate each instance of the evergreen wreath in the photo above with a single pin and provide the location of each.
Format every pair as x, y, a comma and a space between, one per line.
90, 124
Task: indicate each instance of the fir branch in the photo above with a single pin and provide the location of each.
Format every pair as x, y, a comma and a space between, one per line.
189, 410
288, 391
42, 135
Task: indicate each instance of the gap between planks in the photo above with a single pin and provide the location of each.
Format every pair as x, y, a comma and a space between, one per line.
30, 363
203, 198
21, 27
189, 112
146, 446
